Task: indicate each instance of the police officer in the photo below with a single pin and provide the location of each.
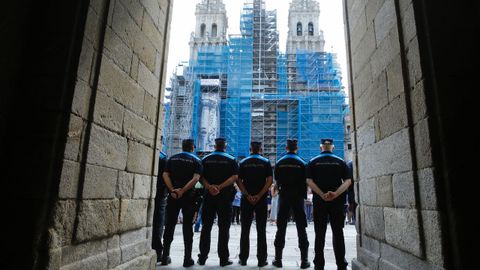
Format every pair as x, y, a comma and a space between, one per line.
291, 180
182, 172
328, 177
255, 178
220, 172
159, 209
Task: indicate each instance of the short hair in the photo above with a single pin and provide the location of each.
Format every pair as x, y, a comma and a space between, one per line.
292, 144
188, 144
256, 146
326, 141
220, 143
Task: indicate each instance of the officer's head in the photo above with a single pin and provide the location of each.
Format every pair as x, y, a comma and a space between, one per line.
255, 147
327, 144
220, 144
292, 145
188, 145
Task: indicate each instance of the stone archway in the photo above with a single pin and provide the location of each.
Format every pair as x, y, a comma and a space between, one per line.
81, 108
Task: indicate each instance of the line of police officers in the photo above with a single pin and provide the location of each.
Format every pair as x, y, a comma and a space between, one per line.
327, 175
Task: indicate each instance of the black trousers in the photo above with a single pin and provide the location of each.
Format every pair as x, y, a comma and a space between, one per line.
235, 214
221, 206
296, 205
322, 213
186, 204
247, 210
159, 221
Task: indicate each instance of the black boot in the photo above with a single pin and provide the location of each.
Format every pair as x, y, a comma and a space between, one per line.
277, 262
304, 256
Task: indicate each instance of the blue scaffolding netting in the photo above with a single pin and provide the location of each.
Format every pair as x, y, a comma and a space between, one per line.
308, 107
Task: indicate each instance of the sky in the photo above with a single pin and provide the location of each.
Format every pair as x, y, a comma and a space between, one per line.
183, 24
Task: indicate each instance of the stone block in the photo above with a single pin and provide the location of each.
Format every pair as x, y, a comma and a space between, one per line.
385, 20
107, 149
95, 262
389, 156
386, 265
63, 223
97, 219
372, 100
408, 22
81, 99
371, 244
401, 259
148, 80
114, 257
368, 191
114, 253
68, 188
423, 147
371, 9
359, 30
433, 238
76, 253
124, 25
139, 158
117, 84
125, 185
85, 62
153, 9
93, 27
368, 258
363, 52
139, 263
100, 183
133, 250
402, 229
117, 50
138, 129
134, 68
426, 186
413, 62
392, 118
108, 112
363, 81
142, 186
74, 136
386, 51
145, 50
135, 9
133, 214
384, 190
395, 78
403, 190
373, 222
158, 64
356, 10
366, 134
150, 108
152, 32
419, 103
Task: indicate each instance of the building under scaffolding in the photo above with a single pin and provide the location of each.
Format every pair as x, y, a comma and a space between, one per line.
246, 90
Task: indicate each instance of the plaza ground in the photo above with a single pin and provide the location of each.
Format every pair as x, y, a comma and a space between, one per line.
291, 253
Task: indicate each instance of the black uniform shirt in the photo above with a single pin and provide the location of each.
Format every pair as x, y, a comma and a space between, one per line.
218, 167
254, 171
290, 175
182, 167
327, 171
162, 162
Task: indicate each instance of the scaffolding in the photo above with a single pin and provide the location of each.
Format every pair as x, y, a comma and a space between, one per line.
247, 91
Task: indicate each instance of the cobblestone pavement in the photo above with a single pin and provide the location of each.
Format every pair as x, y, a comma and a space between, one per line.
291, 253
